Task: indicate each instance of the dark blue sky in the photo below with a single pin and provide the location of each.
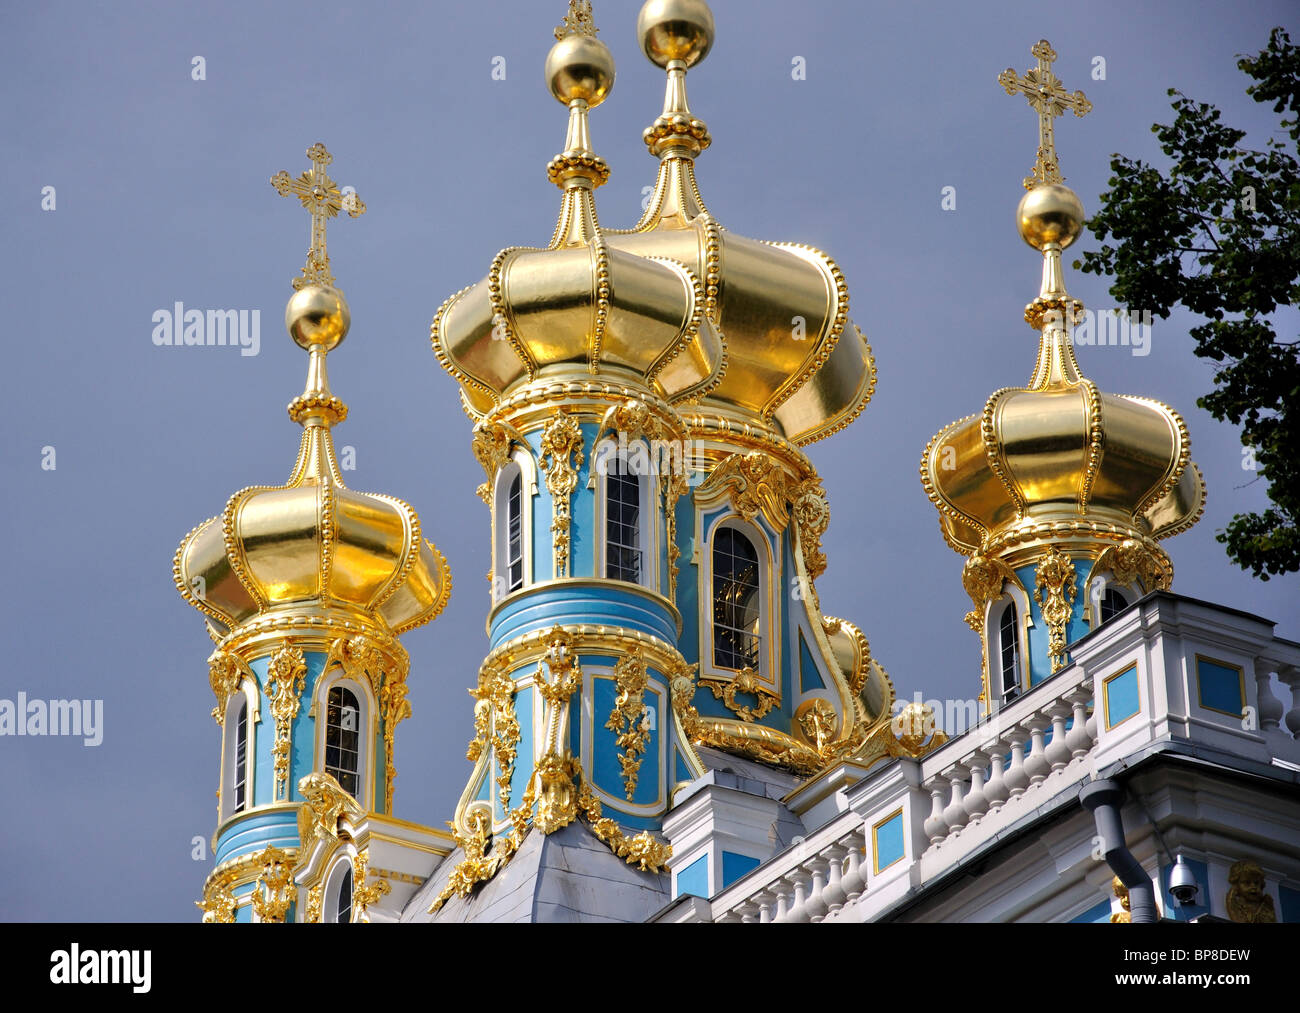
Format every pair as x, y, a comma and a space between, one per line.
163, 196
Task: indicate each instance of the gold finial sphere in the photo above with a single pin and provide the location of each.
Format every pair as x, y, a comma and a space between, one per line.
317, 316
675, 30
1051, 213
580, 67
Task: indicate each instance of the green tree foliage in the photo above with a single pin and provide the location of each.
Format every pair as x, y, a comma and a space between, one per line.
1218, 232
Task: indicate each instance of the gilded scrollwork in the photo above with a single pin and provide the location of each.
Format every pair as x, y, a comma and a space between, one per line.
1134, 562
561, 454
745, 681
983, 577
630, 719
492, 443
218, 904
285, 680
226, 672
1054, 592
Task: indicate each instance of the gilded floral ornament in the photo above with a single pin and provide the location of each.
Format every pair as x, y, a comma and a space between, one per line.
557, 801
274, 890
675, 486
561, 451
1054, 591
642, 850
286, 678
495, 725
315, 902
630, 718
364, 891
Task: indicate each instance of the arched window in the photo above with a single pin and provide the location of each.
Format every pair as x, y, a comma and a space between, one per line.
241, 756
736, 601
623, 526
341, 896
343, 739
515, 533
1008, 655
1112, 602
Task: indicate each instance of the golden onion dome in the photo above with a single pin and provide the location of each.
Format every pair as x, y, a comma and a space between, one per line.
794, 358
580, 306
1058, 459
313, 548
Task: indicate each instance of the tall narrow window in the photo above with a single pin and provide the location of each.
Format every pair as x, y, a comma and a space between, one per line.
241, 756
623, 527
343, 899
1009, 642
515, 534
736, 610
1112, 602
343, 738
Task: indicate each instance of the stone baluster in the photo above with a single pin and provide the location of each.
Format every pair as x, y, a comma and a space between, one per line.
1290, 675
766, 902
748, 912
996, 791
1017, 780
1269, 707
1057, 753
955, 814
935, 828
853, 884
834, 895
1078, 739
975, 803
799, 908
816, 905
782, 890
1036, 765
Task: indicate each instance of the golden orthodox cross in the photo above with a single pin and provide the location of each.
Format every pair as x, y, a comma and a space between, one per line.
321, 196
1049, 97
578, 21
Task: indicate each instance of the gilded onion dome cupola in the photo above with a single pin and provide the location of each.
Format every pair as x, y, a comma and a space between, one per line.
579, 308
305, 587
796, 364
1056, 482
313, 552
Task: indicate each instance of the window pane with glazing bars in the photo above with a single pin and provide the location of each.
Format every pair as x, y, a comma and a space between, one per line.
1009, 639
241, 756
736, 611
343, 738
623, 528
515, 533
